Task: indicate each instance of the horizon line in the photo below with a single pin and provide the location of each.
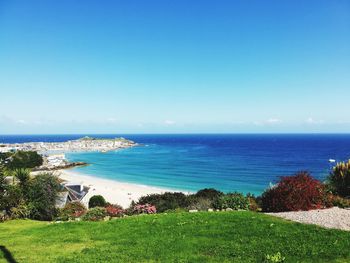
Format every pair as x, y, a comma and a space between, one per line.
190, 133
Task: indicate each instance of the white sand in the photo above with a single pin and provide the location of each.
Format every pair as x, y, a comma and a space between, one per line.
113, 191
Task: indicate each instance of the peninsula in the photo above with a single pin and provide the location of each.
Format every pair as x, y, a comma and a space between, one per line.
85, 144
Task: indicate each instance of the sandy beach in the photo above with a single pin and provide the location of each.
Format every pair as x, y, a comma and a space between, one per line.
113, 191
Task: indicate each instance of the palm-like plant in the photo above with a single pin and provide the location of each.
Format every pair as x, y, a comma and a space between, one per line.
339, 179
23, 175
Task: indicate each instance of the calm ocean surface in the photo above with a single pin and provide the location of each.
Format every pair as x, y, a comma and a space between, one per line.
245, 163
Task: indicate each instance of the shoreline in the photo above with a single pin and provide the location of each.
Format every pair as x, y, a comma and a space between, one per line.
115, 192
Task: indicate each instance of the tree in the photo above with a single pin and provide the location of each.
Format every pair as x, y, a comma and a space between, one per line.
25, 159
43, 192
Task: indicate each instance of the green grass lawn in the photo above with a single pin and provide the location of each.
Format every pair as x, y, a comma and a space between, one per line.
182, 237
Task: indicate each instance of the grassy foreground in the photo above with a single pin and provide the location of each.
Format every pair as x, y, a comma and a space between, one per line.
182, 237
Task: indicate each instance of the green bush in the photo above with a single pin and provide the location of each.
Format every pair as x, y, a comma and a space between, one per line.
95, 214
166, 201
254, 202
97, 201
25, 159
209, 193
43, 192
234, 201
200, 203
3, 187
12, 198
204, 199
19, 212
335, 200
339, 179
23, 176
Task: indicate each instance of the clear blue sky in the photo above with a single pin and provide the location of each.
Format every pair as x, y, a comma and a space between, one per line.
174, 66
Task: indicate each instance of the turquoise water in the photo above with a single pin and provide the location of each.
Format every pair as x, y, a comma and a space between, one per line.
229, 162
245, 163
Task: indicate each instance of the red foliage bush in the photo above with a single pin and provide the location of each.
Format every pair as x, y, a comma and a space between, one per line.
115, 211
73, 210
144, 209
295, 193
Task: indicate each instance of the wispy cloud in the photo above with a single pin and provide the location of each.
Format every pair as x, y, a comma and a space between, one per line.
22, 122
311, 120
273, 121
169, 122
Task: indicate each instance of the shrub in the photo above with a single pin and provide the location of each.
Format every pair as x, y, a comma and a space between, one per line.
234, 201
201, 204
43, 192
339, 179
95, 214
335, 200
25, 159
166, 201
3, 187
23, 176
209, 193
115, 210
72, 210
144, 209
294, 193
3, 217
97, 201
11, 198
253, 203
20, 212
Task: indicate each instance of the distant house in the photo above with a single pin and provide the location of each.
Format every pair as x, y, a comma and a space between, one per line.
71, 193
54, 160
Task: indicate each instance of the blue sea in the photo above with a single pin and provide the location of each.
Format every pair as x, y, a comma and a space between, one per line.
229, 162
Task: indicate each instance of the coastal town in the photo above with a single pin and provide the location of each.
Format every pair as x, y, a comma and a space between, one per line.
85, 144
53, 152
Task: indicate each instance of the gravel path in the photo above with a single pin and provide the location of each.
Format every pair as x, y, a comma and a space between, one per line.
330, 218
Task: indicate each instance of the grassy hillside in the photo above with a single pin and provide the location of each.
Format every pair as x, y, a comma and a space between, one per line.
183, 237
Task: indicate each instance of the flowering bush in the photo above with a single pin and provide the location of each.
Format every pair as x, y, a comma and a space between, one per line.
115, 211
294, 193
166, 201
72, 210
144, 209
